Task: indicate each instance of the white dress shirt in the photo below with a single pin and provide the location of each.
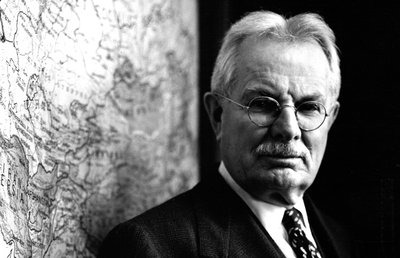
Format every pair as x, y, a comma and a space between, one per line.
269, 215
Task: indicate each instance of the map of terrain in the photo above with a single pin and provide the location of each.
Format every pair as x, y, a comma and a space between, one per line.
98, 108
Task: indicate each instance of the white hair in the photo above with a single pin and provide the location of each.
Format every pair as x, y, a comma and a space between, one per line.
308, 27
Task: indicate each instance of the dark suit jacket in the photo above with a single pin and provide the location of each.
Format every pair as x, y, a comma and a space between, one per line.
210, 221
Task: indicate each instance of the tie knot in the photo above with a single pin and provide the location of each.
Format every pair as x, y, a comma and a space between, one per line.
292, 219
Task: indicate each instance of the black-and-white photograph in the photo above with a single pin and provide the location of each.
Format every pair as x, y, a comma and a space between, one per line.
198, 128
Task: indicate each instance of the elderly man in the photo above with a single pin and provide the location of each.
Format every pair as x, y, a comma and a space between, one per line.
272, 103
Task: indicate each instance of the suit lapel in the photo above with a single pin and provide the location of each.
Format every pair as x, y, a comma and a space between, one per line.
227, 227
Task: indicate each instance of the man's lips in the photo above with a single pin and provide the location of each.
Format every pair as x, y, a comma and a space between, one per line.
284, 161
284, 156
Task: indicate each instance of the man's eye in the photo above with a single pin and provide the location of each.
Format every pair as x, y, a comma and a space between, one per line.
310, 107
263, 105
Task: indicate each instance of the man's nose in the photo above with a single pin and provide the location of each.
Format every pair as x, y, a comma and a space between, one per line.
285, 127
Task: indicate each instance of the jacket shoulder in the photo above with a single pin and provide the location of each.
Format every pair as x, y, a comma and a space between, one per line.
167, 230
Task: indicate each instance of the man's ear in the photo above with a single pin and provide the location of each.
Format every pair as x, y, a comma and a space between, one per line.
334, 112
214, 111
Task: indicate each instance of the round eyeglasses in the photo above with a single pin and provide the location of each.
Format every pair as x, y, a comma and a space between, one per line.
263, 111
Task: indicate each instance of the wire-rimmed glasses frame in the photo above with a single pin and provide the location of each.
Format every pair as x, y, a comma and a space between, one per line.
312, 117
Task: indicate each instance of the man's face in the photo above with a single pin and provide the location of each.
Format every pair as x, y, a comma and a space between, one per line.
278, 163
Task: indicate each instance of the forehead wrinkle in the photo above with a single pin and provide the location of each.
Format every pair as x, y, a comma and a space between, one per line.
265, 76
278, 85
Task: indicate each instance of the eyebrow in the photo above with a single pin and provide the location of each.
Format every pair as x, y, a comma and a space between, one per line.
316, 96
254, 92
261, 85
257, 91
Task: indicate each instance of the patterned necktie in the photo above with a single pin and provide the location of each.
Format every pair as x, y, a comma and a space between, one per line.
302, 247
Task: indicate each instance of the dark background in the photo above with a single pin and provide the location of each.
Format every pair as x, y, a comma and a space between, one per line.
359, 180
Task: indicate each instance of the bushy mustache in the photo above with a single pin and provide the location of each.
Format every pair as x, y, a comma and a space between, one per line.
281, 150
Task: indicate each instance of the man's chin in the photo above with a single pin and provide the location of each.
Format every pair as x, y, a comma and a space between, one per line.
287, 177
281, 186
